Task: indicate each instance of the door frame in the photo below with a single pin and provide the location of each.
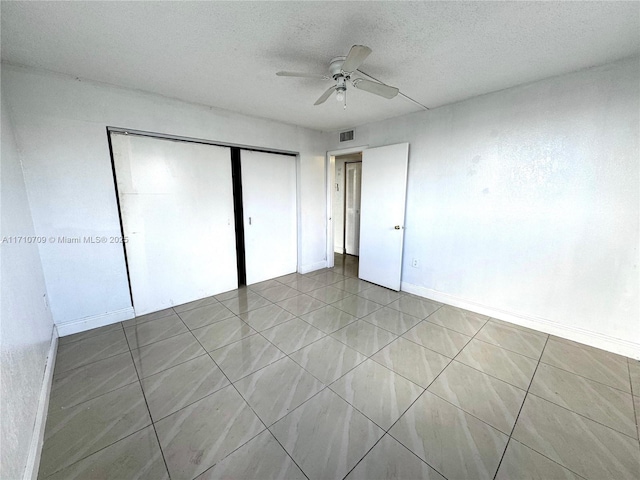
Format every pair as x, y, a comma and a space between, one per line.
164, 136
329, 171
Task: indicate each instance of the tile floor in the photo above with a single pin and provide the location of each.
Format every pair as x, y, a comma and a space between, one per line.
326, 376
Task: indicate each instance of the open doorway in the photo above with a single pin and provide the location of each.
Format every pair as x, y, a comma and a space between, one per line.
346, 203
377, 213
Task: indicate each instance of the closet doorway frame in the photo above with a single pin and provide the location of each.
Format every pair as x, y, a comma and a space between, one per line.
329, 175
234, 148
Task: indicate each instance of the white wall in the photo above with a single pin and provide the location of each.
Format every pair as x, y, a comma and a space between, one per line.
60, 125
524, 203
26, 324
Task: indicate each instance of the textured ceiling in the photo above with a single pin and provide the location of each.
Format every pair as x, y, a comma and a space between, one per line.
225, 54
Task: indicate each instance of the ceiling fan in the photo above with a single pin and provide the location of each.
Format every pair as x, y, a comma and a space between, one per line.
341, 69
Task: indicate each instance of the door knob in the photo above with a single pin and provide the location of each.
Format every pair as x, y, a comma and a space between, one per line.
397, 227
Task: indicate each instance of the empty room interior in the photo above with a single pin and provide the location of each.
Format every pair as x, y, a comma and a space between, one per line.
320, 240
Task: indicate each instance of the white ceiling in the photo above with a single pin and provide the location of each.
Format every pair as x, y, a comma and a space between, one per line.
225, 54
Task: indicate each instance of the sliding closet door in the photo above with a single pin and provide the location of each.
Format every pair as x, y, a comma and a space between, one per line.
176, 203
269, 203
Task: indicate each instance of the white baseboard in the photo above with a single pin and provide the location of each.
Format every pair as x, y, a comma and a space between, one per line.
37, 437
313, 267
580, 335
95, 321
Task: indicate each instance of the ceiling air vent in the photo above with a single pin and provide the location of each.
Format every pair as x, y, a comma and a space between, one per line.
346, 136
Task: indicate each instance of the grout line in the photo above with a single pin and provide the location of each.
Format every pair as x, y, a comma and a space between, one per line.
584, 347
395, 334
386, 432
325, 385
491, 375
396, 373
204, 306
212, 299
57, 374
383, 328
353, 348
508, 349
233, 315
144, 396
548, 458
136, 333
372, 420
254, 412
157, 341
471, 414
229, 385
333, 331
97, 451
426, 389
173, 312
587, 378
257, 370
521, 407
581, 415
98, 396
67, 372
633, 402
372, 447
97, 334
288, 355
452, 329
518, 417
503, 348
310, 373
190, 404
101, 394
304, 313
172, 366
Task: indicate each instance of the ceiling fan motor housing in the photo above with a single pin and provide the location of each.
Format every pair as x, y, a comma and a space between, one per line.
335, 67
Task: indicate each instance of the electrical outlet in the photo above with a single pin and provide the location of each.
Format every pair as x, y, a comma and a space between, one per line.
415, 263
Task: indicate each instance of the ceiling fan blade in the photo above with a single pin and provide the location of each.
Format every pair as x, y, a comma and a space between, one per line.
376, 88
357, 55
325, 95
302, 75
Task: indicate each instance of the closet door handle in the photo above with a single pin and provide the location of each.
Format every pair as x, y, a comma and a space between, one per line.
249, 220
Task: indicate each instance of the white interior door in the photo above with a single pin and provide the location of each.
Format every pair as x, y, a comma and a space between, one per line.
384, 191
176, 202
352, 208
269, 205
